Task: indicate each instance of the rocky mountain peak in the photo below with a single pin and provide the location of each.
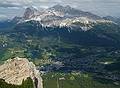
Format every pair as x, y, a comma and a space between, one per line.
73, 12
15, 70
30, 12
68, 7
56, 7
61, 8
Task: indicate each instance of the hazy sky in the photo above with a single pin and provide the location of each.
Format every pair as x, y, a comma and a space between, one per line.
11, 8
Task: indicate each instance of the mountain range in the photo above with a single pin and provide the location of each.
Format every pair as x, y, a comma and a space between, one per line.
58, 16
62, 17
69, 24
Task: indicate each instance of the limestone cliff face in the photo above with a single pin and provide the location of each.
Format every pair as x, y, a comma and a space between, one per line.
14, 71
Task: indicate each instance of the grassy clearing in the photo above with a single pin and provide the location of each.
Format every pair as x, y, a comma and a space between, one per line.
60, 80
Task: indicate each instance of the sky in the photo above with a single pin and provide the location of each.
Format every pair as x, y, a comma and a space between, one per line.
11, 8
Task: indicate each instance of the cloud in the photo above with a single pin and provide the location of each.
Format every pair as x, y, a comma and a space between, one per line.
6, 5
22, 3
2, 17
100, 7
14, 3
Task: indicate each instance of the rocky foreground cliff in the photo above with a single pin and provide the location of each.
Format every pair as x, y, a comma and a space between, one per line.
15, 70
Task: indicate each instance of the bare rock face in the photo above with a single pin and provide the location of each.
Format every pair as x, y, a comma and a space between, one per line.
14, 71
30, 12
